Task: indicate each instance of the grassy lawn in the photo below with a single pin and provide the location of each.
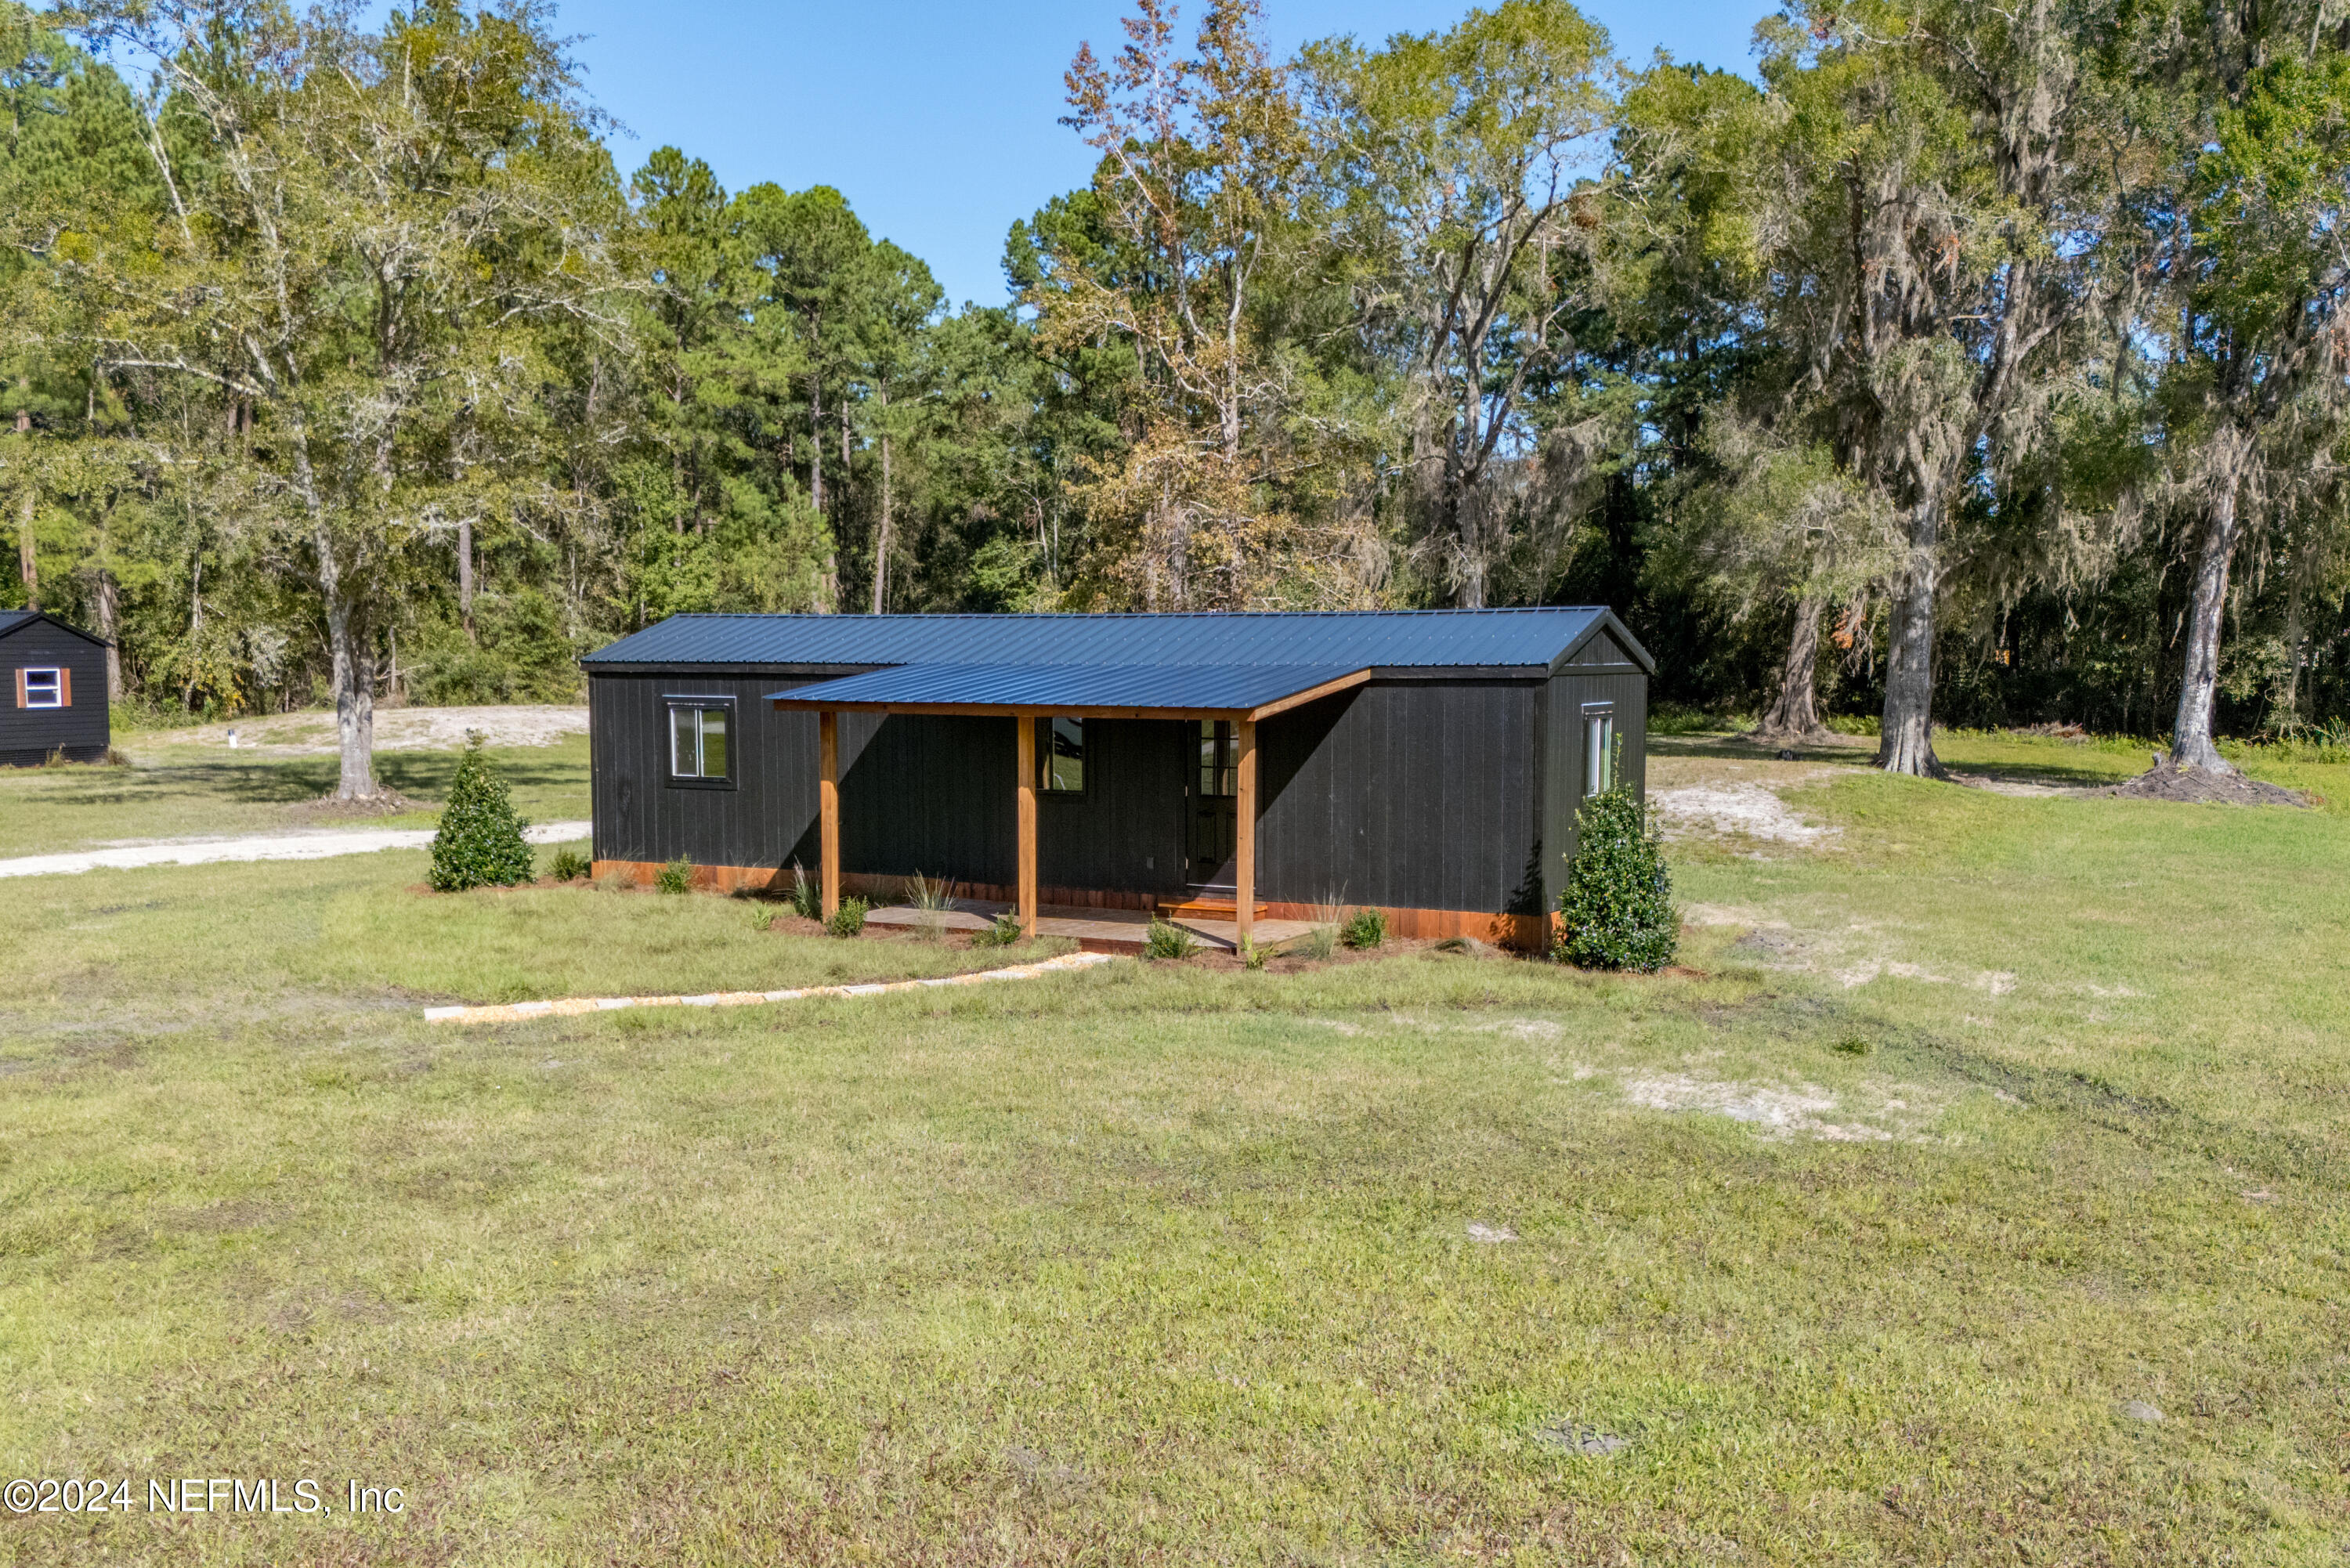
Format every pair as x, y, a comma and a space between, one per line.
172, 789
1989, 1115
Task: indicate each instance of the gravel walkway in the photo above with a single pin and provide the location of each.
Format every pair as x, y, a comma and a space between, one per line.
318, 845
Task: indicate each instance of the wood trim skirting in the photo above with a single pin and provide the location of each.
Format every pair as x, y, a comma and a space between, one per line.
1526, 933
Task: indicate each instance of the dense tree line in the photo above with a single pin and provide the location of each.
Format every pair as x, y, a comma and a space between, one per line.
1975, 364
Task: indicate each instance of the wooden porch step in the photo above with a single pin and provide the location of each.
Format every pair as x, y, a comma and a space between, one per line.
1206, 908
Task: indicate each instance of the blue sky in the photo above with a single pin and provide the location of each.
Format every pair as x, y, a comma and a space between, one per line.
941, 121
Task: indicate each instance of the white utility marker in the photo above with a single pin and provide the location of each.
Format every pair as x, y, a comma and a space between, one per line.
516, 1011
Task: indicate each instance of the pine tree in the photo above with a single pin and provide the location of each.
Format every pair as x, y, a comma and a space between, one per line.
480, 844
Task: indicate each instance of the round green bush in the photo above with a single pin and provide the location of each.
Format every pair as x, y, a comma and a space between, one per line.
1618, 908
480, 844
849, 918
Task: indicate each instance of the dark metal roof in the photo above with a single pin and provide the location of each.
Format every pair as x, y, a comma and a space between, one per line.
1067, 688
1354, 639
13, 620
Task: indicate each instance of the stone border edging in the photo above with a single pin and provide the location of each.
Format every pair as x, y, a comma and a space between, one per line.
517, 1011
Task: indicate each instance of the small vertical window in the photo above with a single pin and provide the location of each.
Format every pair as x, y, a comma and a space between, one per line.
1062, 748
698, 741
1220, 763
42, 687
1598, 749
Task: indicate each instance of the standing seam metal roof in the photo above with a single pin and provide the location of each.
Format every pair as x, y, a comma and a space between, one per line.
1354, 639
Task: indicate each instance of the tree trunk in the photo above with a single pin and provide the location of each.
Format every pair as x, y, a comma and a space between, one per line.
2191, 735
465, 576
881, 529
1796, 713
354, 679
1906, 743
28, 569
110, 618
816, 447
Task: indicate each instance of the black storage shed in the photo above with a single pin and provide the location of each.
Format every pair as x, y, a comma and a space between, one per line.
55, 692
1428, 763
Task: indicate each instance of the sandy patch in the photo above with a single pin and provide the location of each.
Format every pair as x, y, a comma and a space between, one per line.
396, 729
1744, 810
1778, 1112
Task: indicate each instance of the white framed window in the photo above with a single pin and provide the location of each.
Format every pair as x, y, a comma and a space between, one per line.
1598, 747
701, 739
43, 689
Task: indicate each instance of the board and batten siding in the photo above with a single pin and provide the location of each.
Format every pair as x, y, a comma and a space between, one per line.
82, 731
1413, 793
928, 793
1600, 671
1407, 794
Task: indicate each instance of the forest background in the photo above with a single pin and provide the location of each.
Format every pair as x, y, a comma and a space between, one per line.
1973, 364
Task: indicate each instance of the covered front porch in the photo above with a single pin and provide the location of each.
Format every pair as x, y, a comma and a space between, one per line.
1033, 696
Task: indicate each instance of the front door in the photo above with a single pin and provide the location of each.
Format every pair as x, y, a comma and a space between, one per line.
1212, 801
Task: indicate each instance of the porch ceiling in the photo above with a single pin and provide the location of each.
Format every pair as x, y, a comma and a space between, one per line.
1077, 690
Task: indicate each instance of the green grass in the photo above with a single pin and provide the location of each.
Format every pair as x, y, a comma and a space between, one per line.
173, 791
1158, 1264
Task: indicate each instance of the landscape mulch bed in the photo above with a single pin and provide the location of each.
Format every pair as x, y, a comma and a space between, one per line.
2168, 782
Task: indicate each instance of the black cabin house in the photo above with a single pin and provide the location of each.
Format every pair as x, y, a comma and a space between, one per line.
55, 696
1428, 763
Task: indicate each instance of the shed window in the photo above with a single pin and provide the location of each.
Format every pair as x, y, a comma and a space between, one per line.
700, 743
1061, 745
41, 687
1598, 748
1220, 758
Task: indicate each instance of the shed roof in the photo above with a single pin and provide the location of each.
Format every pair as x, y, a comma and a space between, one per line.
1517, 638
1134, 691
13, 620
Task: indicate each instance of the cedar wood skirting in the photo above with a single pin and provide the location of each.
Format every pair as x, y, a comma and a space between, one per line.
1525, 932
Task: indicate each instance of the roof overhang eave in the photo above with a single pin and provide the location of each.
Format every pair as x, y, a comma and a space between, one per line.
791, 702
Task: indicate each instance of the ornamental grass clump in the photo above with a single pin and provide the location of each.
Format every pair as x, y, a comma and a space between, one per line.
480, 844
1618, 909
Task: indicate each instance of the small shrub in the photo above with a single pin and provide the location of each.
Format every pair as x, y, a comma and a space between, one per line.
1169, 941
1618, 908
480, 844
1253, 954
1002, 934
570, 865
849, 918
808, 898
1365, 929
677, 876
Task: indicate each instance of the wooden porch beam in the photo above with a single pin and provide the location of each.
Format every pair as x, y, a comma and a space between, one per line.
1244, 837
827, 734
1027, 873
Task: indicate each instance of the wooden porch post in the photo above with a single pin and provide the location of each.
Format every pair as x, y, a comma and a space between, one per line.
1026, 891
827, 745
1245, 845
